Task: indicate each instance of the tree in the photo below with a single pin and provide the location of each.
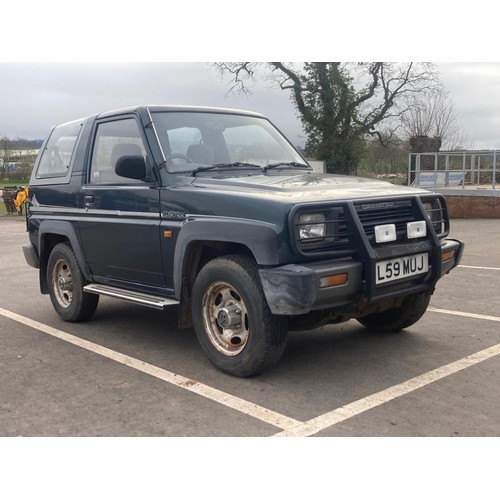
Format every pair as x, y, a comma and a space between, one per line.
20, 151
390, 158
5, 154
341, 104
435, 117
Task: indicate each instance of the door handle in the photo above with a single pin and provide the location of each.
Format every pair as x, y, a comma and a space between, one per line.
88, 200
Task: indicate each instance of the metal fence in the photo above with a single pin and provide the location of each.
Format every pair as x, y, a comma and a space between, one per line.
454, 169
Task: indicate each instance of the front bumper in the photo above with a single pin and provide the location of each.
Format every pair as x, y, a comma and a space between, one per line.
31, 255
294, 289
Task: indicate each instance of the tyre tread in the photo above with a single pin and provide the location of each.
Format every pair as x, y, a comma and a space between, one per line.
275, 333
393, 320
85, 303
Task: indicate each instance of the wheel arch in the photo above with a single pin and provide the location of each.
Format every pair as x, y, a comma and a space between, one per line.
49, 235
202, 240
259, 239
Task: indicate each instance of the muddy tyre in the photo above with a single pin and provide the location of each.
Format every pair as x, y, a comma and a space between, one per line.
232, 320
393, 320
66, 281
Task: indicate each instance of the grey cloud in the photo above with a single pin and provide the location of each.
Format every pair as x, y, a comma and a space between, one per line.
36, 96
476, 91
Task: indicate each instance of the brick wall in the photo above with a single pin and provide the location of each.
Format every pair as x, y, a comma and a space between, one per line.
473, 207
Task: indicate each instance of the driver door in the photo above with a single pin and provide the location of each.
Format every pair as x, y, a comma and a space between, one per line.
120, 227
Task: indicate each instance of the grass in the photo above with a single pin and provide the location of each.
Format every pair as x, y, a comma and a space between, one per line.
13, 183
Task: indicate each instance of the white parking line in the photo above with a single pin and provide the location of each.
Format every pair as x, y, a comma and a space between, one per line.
480, 267
241, 405
290, 426
320, 423
463, 314
317, 424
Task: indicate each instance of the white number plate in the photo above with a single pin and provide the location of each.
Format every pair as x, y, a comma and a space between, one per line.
402, 267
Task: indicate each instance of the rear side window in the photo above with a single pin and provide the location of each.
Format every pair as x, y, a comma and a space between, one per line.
56, 156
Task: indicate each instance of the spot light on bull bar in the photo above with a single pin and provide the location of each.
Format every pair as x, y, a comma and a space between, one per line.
385, 233
416, 229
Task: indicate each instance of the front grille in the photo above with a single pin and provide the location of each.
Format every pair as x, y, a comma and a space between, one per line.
398, 213
341, 241
343, 221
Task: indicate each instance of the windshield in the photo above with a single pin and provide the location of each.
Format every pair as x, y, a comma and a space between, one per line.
194, 140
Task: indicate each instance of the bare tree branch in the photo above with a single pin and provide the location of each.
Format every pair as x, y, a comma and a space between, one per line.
240, 72
434, 116
341, 103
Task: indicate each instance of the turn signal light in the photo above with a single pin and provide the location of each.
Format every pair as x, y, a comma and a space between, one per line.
336, 279
446, 256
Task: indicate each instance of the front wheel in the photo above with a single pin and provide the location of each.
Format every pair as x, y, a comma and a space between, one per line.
232, 320
66, 282
393, 320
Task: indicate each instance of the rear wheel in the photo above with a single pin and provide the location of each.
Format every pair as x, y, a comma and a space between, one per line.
392, 320
232, 320
66, 282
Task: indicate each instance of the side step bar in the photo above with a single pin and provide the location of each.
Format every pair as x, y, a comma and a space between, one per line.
138, 298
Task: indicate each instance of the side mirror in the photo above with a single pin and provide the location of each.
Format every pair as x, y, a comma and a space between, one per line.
131, 167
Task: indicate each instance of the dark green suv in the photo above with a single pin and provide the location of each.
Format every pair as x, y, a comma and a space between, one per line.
214, 211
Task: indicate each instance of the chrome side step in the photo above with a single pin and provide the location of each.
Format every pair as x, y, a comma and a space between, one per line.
138, 298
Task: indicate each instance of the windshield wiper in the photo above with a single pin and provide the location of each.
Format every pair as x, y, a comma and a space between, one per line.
293, 164
221, 166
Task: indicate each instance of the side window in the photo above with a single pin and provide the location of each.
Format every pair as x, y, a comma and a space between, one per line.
58, 151
112, 141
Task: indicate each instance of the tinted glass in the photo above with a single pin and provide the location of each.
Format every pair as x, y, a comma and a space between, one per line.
58, 151
208, 138
114, 140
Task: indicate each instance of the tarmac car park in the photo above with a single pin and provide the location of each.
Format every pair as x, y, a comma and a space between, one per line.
113, 376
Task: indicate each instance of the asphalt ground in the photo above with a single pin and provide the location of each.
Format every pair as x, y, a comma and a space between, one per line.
129, 372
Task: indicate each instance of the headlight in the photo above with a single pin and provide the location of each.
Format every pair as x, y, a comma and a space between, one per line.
435, 213
430, 209
312, 226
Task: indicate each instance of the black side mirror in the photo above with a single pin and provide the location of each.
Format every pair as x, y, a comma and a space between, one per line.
131, 167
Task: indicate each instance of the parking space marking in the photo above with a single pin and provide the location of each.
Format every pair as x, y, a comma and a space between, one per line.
463, 314
290, 427
343, 413
233, 402
480, 267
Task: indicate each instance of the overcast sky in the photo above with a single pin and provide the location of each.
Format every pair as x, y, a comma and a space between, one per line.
36, 96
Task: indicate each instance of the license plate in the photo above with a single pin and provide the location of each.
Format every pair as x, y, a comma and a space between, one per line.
402, 267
